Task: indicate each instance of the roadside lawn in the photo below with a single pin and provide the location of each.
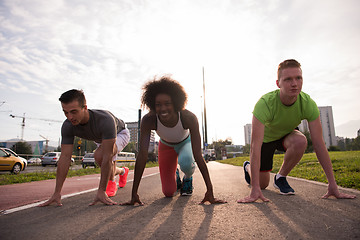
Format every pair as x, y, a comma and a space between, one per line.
38, 176
346, 167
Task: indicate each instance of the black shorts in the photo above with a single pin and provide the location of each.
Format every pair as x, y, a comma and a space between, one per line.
267, 153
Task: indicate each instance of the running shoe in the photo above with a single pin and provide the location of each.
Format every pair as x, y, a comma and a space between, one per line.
247, 175
178, 180
187, 187
283, 186
111, 189
123, 178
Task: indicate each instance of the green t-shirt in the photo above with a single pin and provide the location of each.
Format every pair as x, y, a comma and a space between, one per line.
280, 119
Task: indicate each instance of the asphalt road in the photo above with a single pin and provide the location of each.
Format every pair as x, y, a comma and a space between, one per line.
302, 216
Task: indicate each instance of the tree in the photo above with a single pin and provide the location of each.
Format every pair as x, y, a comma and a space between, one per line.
85, 146
22, 148
355, 145
219, 146
333, 148
131, 147
58, 149
246, 149
341, 145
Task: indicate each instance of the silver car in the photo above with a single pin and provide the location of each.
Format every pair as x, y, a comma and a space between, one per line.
52, 158
88, 160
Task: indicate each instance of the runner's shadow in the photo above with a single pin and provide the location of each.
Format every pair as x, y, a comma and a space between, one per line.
126, 221
171, 228
205, 225
297, 217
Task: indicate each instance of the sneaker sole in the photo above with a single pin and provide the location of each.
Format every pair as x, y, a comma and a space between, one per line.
282, 193
247, 175
186, 194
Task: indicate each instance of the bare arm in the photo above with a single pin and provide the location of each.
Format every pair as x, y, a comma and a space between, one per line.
193, 125
147, 124
324, 159
257, 137
61, 173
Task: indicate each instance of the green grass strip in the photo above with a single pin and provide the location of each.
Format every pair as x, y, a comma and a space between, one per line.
346, 166
6, 179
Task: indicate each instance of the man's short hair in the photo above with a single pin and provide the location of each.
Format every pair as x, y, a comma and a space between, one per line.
290, 63
72, 95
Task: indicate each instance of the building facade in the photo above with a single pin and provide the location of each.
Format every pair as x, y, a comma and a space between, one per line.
247, 133
327, 123
37, 147
134, 135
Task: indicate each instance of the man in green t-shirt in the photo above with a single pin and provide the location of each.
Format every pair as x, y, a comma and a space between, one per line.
274, 127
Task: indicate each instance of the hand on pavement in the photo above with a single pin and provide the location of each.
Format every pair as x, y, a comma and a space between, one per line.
209, 197
255, 195
55, 198
135, 199
335, 192
102, 197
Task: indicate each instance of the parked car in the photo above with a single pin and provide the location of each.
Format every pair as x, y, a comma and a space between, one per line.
10, 163
88, 160
8, 150
34, 161
52, 158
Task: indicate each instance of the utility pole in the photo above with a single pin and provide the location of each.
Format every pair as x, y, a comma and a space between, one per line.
202, 124
205, 124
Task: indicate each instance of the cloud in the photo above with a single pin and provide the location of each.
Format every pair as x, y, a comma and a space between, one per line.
111, 48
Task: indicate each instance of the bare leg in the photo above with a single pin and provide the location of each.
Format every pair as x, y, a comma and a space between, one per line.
264, 177
295, 144
98, 158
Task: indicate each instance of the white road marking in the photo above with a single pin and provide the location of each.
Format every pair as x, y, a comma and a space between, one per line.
12, 210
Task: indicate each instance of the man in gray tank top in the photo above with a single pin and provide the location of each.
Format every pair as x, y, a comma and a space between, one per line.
101, 126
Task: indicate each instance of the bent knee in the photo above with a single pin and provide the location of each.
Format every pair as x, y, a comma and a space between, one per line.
296, 141
188, 168
168, 193
264, 185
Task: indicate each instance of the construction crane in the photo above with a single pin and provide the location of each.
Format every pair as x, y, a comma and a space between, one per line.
23, 122
2, 103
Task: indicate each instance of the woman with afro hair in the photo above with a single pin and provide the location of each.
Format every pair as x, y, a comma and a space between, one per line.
180, 141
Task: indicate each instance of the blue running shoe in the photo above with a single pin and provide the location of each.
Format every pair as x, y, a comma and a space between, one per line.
283, 186
178, 180
247, 175
187, 187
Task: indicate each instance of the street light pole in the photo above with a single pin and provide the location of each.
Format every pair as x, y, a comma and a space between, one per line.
205, 124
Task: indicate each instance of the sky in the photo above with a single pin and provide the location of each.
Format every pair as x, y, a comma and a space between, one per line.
111, 48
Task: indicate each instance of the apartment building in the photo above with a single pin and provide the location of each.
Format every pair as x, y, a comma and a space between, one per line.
134, 134
247, 133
